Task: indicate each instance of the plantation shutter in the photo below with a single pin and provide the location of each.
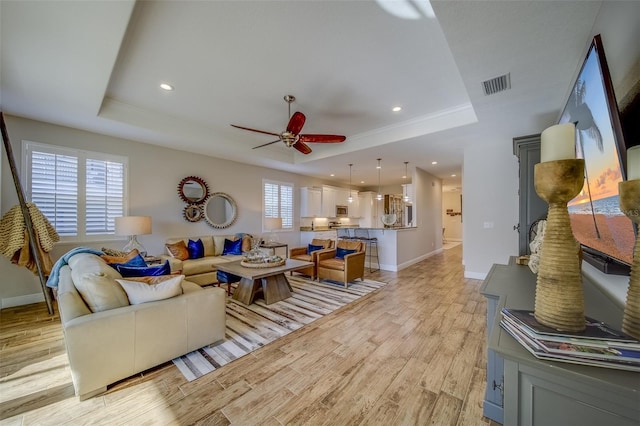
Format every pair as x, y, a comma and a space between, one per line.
286, 206
104, 195
54, 189
278, 202
79, 192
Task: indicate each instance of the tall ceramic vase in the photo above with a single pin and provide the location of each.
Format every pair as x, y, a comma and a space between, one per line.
630, 205
559, 298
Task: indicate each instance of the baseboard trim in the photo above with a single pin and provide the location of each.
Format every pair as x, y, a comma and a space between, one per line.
418, 259
475, 275
27, 299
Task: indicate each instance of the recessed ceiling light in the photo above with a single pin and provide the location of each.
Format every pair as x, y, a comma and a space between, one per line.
166, 86
361, 181
396, 109
453, 175
332, 175
434, 162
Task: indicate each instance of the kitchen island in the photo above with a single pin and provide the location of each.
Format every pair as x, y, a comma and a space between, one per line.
398, 248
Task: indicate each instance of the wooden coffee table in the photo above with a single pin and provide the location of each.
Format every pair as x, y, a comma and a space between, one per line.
272, 282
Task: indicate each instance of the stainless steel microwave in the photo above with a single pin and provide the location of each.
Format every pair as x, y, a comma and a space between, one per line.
342, 211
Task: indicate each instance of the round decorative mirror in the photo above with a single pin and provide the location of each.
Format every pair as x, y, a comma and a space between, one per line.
193, 190
220, 210
192, 213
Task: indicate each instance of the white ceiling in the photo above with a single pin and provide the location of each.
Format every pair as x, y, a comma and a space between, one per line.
97, 65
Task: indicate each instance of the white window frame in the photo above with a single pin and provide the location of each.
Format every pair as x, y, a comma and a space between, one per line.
29, 146
287, 225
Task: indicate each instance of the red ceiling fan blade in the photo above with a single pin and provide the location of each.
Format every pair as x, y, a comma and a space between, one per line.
322, 138
265, 144
302, 147
254, 130
296, 122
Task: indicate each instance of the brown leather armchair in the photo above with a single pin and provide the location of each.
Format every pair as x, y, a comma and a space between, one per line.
343, 270
302, 253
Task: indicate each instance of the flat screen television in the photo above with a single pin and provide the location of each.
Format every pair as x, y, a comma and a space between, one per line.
605, 233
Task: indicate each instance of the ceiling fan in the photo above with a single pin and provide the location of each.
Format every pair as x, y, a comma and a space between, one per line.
292, 137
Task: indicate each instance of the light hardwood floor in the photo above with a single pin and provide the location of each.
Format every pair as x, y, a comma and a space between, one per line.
411, 353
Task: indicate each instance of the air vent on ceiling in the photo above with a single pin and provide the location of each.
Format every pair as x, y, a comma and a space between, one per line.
497, 84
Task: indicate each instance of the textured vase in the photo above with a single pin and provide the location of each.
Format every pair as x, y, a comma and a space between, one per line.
630, 205
559, 297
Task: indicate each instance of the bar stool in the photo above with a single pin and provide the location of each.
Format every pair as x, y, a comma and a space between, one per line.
371, 243
345, 233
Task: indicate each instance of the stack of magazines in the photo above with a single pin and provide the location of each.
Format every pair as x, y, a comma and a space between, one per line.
598, 345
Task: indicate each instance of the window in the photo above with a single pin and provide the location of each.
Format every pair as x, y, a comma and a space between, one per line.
278, 202
80, 192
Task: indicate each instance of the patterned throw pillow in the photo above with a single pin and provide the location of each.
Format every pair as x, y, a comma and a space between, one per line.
110, 258
232, 247
341, 253
114, 252
178, 250
196, 249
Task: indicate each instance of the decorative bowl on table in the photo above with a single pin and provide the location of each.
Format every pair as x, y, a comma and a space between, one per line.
264, 261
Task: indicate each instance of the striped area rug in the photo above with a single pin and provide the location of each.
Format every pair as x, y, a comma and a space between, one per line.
251, 327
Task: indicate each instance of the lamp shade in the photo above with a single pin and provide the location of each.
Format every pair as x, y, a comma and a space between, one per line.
133, 225
272, 223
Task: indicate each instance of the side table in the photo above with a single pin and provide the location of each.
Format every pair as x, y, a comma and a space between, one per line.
274, 245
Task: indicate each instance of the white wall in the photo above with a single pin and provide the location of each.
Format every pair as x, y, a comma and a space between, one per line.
452, 224
490, 206
426, 238
490, 177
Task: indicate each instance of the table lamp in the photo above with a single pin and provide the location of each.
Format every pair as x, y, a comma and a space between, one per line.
133, 226
272, 224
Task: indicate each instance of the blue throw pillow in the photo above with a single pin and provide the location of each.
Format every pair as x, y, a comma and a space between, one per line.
137, 261
146, 271
341, 253
196, 249
232, 247
312, 248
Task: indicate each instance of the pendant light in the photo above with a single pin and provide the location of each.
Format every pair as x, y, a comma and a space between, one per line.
379, 196
406, 194
350, 199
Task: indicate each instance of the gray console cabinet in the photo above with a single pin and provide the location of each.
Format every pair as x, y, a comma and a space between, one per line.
543, 393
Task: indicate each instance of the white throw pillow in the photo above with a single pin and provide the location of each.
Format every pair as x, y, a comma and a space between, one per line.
139, 292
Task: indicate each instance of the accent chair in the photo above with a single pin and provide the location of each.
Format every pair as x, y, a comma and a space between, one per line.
345, 263
302, 253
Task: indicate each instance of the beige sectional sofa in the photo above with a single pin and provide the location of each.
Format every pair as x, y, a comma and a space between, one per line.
108, 340
202, 271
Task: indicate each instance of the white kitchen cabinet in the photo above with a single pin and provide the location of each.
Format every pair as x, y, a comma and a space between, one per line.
310, 202
367, 207
354, 206
328, 202
342, 197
